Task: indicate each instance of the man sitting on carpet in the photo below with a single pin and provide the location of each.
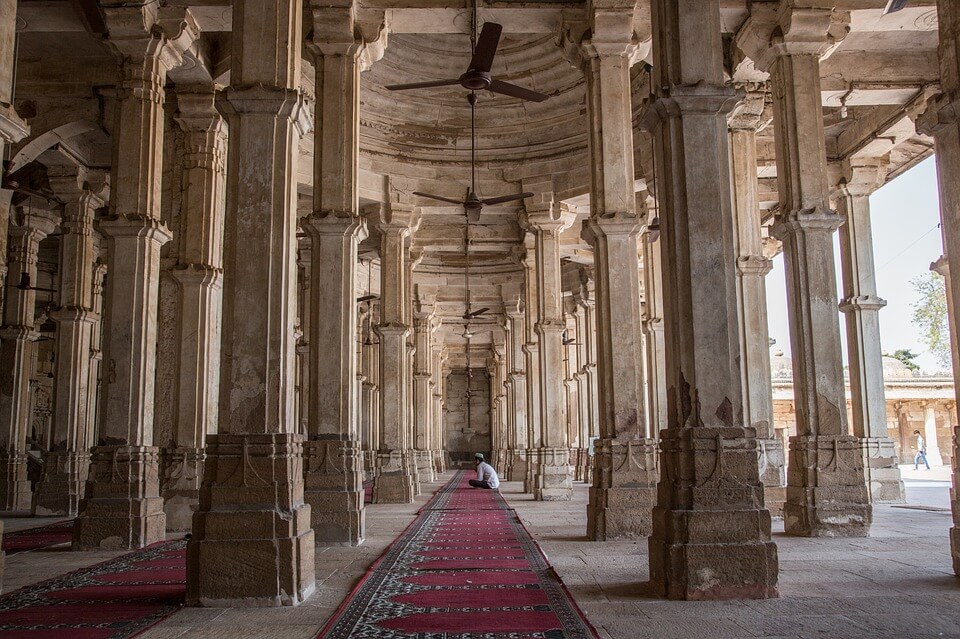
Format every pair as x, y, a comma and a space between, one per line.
486, 475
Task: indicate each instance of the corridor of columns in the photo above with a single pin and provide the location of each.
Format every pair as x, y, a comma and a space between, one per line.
254, 336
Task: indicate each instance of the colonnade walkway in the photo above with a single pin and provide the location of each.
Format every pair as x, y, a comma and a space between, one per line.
896, 583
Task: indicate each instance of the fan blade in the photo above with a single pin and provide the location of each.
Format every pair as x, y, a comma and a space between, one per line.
507, 198
505, 88
894, 6
486, 47
476, 313
439, 198
366, 298
423, 85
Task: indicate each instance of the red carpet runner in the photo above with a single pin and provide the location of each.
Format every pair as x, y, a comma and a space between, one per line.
111, 600
37, 538
466, 567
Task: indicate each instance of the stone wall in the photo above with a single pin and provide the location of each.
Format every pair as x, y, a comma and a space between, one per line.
463, 442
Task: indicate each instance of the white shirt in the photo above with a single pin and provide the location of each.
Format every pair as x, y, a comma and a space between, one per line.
921, 445
485, 472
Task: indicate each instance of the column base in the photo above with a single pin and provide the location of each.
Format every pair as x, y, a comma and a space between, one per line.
410, 459
529, 477
553, 476
439, 461
826, 492
881, 470
61, 484
14, 485
394, 481
122, 508
252, 543
182, 471
624, 491
425, 469
369, 464
517, 470
772, 460
711, 533
333, 488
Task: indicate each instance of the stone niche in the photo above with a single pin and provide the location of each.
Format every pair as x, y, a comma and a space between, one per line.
462, 442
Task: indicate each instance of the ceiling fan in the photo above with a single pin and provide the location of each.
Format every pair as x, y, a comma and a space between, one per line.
477, 76
370, 294
894, 5
473, 204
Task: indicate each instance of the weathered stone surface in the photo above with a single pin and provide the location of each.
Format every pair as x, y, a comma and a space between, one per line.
333, 488
623, 493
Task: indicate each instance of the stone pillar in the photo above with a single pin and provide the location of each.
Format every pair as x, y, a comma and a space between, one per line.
96, 344
12, 127
304, 284
198, 274
440, 454
18, 333
589, 401
122, 507
553, 474
826, 492
394, 481
423, 327
571, 367
861, 306
497, 370
711, 531
625, 475
531, 353
517, 389
942, 121
653, 331
369, 409
333, 457
252, 543
67, 461
934, 458
751, 272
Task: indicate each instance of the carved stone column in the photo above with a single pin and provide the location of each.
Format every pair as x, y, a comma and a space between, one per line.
517, 389
66, 463
942, 121
18, 333
571, 363
711, 531
122, 507
198, 274
625, 476
752, 269
553, 475
826, 492
587, 375
440, 453
252, 543
531, 351
423, 325
394, 482
655, 348
861, 306
369, 407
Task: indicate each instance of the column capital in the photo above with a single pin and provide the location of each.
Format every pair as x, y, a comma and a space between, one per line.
941, 266
145, 32
546, 215
197, 109
785, 29
862, 303
615, 224
748, 115
117, 226
754, 265
339, 31
332, 224
399, 220
13, 128
35, 224
859, 177
818, 219
608, 32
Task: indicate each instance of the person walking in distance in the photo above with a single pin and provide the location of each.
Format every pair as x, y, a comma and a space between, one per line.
921, 452
486, 475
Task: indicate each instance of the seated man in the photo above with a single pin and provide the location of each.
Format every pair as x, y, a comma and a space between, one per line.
486, 475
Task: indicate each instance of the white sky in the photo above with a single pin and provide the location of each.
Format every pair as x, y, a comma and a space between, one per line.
906, 239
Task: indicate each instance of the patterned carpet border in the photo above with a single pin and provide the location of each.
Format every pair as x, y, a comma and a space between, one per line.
37, 538
369, 602
149, 601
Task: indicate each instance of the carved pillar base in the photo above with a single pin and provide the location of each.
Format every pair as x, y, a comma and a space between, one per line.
439, 461
369, 464
624, 489
826, 493
61, 485
122, 508
425, 467
553, 477
252, 544
711, 533
529, 477
881, 470
394, 481
14, 485
333, 488
772, 465
517, 470
410, 459
180, 486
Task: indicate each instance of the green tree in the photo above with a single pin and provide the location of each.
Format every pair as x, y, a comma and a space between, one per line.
906, 356
930, 316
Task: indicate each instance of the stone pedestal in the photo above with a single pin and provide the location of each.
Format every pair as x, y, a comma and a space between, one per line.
14, 485
425, 465
624, 489
711, 469
252, 544
182, 471
122, 507
333, 488
394, 482
518, 466
826, 495
61, 487
554, 475
772, 466
881, 469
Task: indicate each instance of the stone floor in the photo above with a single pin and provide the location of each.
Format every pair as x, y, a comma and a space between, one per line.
898, 583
